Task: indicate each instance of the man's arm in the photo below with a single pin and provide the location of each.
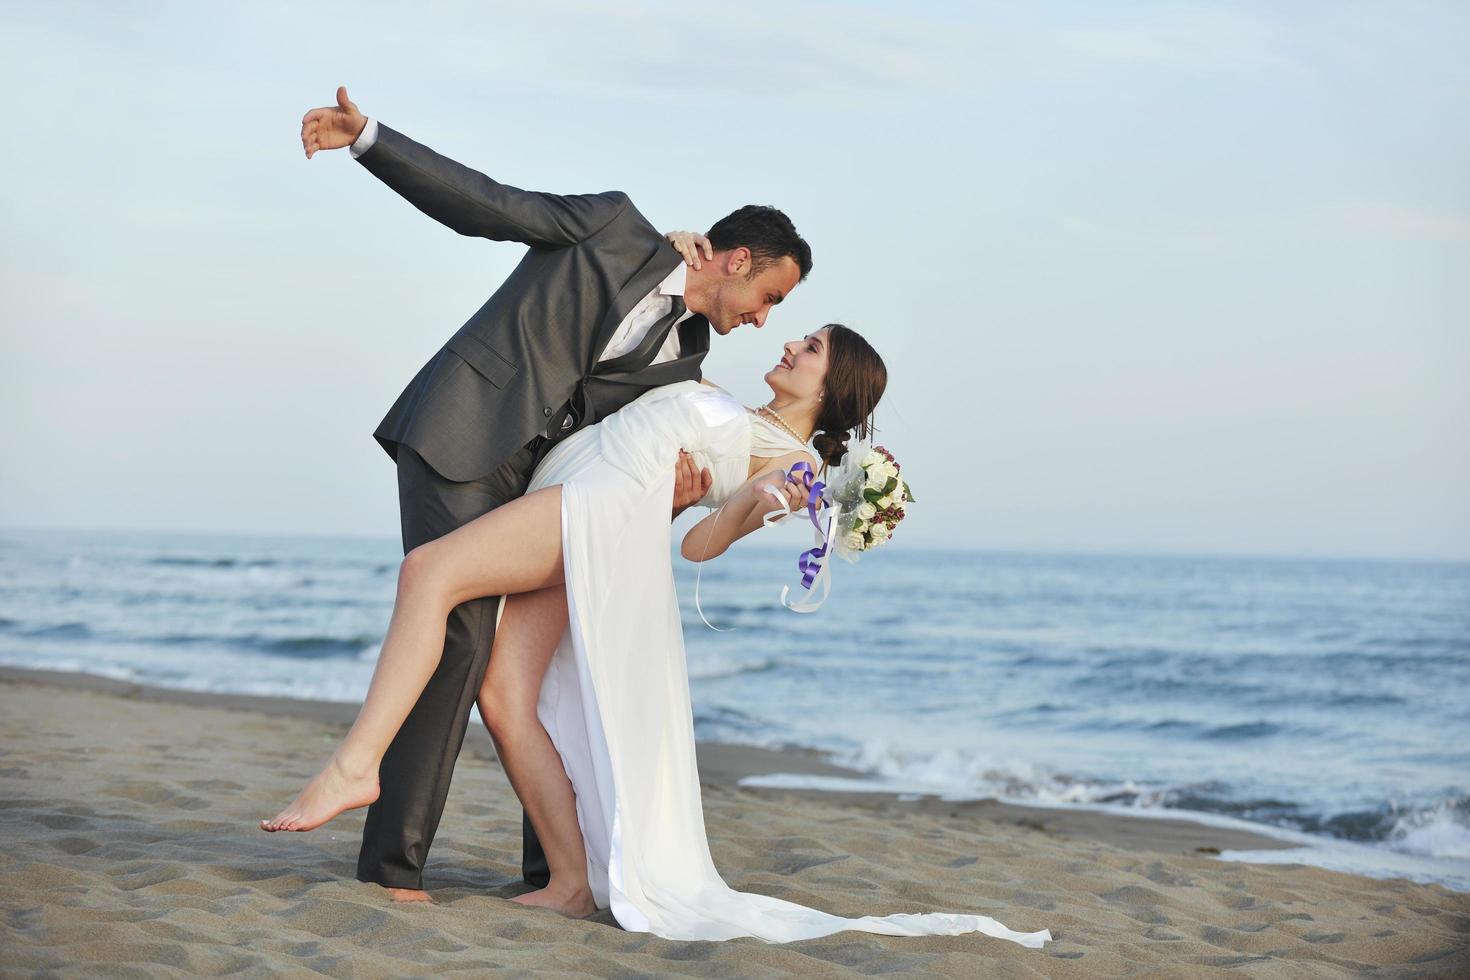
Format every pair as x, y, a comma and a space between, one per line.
365, 142
463, 199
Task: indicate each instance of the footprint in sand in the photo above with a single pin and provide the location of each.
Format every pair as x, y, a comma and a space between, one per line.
156, 794
214, 786
62, 821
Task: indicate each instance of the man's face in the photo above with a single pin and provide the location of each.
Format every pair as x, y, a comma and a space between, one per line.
737, 299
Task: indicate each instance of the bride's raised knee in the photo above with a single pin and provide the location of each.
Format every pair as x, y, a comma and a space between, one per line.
421, 574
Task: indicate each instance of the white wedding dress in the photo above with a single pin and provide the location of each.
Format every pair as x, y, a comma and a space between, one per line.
615, 699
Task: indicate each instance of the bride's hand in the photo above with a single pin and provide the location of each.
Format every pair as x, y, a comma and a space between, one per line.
332, 127
688, 244
793, 492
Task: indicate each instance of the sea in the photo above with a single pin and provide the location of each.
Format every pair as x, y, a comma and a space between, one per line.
1322, 702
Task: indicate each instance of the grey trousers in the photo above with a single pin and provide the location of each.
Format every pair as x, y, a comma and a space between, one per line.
418, 766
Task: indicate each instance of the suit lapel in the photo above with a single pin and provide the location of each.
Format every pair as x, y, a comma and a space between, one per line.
659, 265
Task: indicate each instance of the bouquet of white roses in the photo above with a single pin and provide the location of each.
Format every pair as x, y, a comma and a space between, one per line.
865, 499
874, 496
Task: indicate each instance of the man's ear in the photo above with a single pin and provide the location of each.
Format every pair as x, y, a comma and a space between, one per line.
738, 262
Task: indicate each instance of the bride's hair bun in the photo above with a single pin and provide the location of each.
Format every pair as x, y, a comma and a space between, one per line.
830, 447
856, 377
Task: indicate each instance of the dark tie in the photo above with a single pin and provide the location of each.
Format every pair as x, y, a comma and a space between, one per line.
647, 348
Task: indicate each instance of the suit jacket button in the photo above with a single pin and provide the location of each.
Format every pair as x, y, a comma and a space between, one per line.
546, 411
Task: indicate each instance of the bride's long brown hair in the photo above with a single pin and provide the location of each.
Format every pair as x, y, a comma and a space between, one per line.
856, 377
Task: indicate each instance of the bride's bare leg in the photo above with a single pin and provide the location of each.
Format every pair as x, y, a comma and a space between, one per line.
525, 641
514, 548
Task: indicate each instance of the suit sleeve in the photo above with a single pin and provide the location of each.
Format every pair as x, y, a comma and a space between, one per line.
473, 204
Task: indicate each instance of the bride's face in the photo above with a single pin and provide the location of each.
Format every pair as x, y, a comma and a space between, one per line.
802, 369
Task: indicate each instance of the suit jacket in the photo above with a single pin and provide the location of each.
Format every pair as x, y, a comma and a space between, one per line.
510, 371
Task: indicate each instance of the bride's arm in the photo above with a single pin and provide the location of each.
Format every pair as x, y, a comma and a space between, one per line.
744, 511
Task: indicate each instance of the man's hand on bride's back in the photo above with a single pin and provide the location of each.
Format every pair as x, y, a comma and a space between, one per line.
332, 127
690, 483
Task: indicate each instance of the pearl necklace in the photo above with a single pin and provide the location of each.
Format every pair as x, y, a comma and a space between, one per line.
782, 422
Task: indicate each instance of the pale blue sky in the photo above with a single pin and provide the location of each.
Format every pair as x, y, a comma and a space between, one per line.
1152, 277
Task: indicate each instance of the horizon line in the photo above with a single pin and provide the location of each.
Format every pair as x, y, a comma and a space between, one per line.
1038, 550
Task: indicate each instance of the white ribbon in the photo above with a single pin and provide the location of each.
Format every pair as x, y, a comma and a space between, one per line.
821, 585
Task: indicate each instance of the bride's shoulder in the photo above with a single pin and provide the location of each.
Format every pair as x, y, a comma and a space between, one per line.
763, 462
770, 440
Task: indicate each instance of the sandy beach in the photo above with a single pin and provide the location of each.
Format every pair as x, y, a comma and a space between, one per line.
131, 849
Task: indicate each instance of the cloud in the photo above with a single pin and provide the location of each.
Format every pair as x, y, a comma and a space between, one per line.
1205, 234
1376, 219
795, 51
1203, 38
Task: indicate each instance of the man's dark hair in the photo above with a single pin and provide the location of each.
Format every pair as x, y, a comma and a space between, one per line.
767, 232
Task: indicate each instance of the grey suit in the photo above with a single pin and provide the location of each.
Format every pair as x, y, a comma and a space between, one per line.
465, 430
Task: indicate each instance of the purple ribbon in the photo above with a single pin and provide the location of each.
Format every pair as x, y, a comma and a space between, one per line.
810, 562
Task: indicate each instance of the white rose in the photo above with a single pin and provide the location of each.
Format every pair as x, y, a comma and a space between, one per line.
866, 511
880, 533
855, 541
885, 502
877, 480
898, 504
889, 469
873, 458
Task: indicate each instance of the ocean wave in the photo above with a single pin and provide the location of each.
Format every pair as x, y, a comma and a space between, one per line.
1437, 830
307, 646
1252, 729
318, 647
1041, 660
59, 631
959, 773
722, 723
169, 561
1440, 831
714, 668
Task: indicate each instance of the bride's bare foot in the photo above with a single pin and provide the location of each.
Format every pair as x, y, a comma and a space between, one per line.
329, 793
573, 903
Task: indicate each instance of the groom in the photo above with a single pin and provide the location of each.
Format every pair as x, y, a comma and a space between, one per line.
600, 310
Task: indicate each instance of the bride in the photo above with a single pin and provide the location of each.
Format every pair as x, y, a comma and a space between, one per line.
586, 696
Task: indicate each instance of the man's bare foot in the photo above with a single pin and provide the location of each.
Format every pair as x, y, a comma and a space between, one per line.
575, 904
409, 895
329, 793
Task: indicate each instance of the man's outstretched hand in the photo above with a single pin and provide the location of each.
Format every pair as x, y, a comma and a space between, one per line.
690, 483
332, 127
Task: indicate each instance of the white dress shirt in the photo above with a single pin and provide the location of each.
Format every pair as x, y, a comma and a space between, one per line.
644, 314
